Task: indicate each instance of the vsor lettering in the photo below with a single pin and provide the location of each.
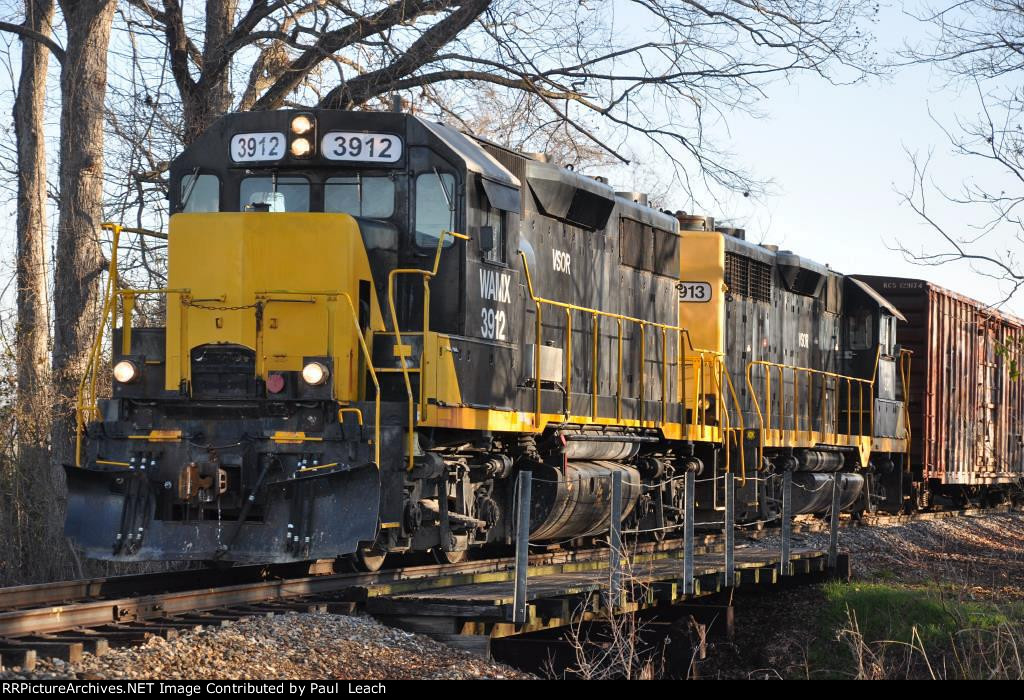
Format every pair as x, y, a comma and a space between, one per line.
560, 261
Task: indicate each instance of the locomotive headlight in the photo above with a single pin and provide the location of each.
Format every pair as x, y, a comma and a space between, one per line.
301, 147
302, 124
125, 371
315, 374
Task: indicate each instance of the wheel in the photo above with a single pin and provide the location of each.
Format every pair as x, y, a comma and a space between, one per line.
443, 557
368, 559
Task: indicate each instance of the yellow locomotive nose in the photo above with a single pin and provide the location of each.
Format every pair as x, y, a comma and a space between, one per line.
283, 285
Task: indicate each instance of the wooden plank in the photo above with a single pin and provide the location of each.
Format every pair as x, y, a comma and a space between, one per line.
23, 658
423, 624
433, 608
557, 607
168, 628
477, 644
93, 644
665, 592
65, 651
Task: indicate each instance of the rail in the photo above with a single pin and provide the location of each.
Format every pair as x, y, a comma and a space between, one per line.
331, 297
906, 356
86, 406
782, 423
86, 397
703, 363
401, 350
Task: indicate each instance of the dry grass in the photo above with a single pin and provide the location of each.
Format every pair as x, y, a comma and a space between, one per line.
970, 652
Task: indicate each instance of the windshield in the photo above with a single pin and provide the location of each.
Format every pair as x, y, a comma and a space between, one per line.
368, 196
277, 194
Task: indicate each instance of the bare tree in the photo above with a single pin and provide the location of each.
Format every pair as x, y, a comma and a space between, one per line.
661, 72
78, 257
979, 46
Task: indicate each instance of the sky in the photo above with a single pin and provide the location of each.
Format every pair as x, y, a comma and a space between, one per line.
838, 157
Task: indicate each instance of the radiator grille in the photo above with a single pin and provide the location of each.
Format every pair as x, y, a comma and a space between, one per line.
748, 277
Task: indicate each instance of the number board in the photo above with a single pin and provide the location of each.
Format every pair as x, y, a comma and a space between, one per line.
355, 146
694, 292
264, 145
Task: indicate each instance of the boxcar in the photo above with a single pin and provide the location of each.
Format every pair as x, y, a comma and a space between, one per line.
965, 406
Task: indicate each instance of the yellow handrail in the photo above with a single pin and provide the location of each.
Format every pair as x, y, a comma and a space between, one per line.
765, 416
85, 400
86, 396
427, 276
727, 421
363, 347
701, 361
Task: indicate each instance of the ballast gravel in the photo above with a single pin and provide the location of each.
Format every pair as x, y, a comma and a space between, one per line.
289, 646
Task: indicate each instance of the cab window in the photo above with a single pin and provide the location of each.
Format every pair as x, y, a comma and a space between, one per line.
861, 335
372, 197
496, 220
200, 193
277, 194
435, 208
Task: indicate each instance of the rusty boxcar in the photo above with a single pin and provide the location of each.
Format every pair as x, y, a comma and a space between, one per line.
966, 410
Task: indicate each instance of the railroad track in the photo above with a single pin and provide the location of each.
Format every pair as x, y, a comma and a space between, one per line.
64, 619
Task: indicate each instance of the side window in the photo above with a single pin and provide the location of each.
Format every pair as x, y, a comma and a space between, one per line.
861, 335
496, 220
435, 208
280, 194
200, 193
372, 197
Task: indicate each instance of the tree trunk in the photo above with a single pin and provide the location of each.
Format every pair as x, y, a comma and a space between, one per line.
211, 97
35, 527
33, 337
79, 260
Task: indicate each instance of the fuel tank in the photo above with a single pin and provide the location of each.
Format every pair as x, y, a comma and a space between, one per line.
812, 491
576, 501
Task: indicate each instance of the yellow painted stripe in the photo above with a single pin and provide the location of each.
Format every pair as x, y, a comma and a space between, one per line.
112, 463
158, 436
287, 438
318, 466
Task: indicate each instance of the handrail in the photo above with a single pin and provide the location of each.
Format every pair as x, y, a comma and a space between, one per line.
86, 395
728, 422
362, 345
765, 416
702, 359
87, 392
427, 276
85, 399
906, 357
